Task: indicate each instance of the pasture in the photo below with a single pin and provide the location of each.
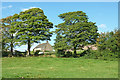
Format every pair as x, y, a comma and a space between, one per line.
47, 67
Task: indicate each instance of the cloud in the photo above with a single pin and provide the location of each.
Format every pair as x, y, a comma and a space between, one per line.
10, 6
24, 9
29, 8
99, 31
102, 26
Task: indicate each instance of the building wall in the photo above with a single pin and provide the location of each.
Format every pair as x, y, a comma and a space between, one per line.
49, 47
90, 46
37, 49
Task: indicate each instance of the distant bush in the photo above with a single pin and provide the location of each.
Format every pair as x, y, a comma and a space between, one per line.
19, 54
47, 51
68, 54
108, 47
36, 53
16, 54
60, 53
5, 53
85, 52
109, 44
105, 55
31, 52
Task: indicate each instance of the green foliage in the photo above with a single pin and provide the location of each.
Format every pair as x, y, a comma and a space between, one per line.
32, 52
19, 54
68, 54
15, 54
36, 53
109, 41
85, 52
60, 53
5, 40
61, 43
108, 47
31, 26
5, 53
50, 53
75, 31
80, 51
104, 55
8, 39
46, 51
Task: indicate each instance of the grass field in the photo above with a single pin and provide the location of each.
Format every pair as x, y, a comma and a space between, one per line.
43, 67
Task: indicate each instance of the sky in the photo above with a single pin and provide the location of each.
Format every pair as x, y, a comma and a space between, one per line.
60, 0
105, 14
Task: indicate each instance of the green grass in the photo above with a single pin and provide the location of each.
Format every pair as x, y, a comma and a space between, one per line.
42, 67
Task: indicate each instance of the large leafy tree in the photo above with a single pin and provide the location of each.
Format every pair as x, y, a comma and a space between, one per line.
60, 45
8, 39
4, 35
31, 26
76, 29
60, 42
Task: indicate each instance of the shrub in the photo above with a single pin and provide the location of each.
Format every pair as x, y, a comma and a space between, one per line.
60, 53
32, 52
36, 53
19, 54
16, 54
97, 54
68, 54
47, 51
5, 53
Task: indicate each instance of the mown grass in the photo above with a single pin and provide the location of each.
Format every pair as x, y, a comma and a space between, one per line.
46, 67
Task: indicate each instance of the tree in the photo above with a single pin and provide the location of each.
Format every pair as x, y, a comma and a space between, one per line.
31, 26
117, 38
101, 41
4, 40
60, 41
8, 40
76, 29
109, 41
60, 45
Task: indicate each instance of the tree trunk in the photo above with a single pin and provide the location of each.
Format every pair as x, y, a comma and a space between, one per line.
11, 49
75, 50
75, 53
11, 46
28, 51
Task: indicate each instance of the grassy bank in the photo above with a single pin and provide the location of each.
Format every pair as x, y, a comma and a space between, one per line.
42, 67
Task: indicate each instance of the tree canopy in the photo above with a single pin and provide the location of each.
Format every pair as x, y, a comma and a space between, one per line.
31, 26
109, 41
76, 30
8, 38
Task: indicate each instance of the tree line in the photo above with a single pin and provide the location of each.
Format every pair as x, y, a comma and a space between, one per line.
26, 27
76, 32
32, 26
